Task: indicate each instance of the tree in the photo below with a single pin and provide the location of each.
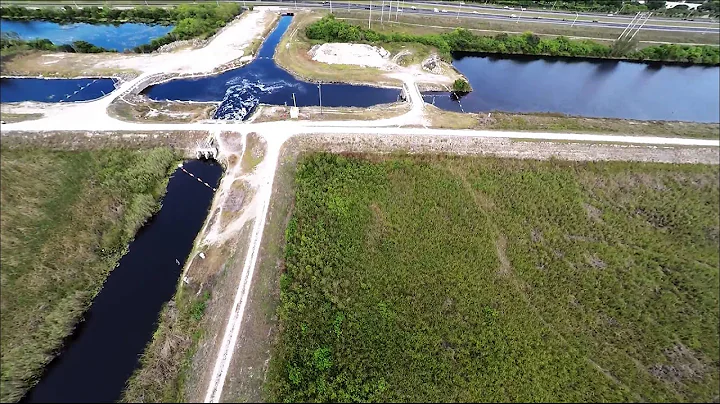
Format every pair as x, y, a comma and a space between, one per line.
655, 4
461, 86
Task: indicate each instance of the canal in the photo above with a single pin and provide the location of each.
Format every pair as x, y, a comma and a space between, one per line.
53, 90
262, 81
104, 350
608, 89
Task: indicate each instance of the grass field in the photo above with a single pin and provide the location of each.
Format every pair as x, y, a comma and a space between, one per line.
66, 219
477, 279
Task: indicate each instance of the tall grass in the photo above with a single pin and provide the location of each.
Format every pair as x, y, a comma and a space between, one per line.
66, 219
479, 279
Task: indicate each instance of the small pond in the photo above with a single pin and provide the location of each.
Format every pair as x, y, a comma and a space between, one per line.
262, 81
611, 89
117, 37
105, 348
53, 90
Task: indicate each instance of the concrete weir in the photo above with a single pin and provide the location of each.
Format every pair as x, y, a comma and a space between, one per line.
207, 149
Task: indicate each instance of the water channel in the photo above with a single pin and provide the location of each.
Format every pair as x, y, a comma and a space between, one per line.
105, 348
262, 81
53, 90
116, 37
611, 89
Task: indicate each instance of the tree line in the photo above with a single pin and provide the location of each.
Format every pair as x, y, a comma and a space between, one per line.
190, 21
329, 29
11, 41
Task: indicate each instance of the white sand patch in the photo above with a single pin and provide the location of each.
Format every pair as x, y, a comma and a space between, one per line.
351, 54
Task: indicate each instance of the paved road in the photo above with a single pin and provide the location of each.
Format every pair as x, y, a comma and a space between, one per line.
454, 10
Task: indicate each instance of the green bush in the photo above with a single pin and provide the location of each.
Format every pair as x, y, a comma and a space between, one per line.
460, 85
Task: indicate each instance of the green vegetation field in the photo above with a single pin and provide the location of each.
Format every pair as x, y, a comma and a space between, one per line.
479, 279
66, 219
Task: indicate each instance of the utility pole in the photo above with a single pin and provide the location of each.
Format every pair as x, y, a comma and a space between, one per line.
576, 17
641, 25
320, 93
397, 7
294, 103
330, 6
458, 13
517, 20
370, 16
382, 11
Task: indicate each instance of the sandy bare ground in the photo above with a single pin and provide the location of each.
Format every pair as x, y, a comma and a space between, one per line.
351, 54
377, 57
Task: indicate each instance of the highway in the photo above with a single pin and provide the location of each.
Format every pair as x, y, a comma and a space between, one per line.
427, 8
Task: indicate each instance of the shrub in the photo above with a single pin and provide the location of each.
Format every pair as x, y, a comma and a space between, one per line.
462, 86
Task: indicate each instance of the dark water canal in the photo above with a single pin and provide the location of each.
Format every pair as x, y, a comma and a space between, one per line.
105, 349
53, 90
610, 89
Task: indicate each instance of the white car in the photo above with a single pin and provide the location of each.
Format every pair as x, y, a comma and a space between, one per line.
512, 16
444, 11
610, 15
436, 10
475, 12
413, 7
506, 7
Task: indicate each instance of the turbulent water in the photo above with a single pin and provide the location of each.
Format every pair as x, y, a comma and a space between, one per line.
243, 96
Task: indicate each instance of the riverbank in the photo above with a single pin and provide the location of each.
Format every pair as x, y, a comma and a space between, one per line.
84, 208
563, 123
